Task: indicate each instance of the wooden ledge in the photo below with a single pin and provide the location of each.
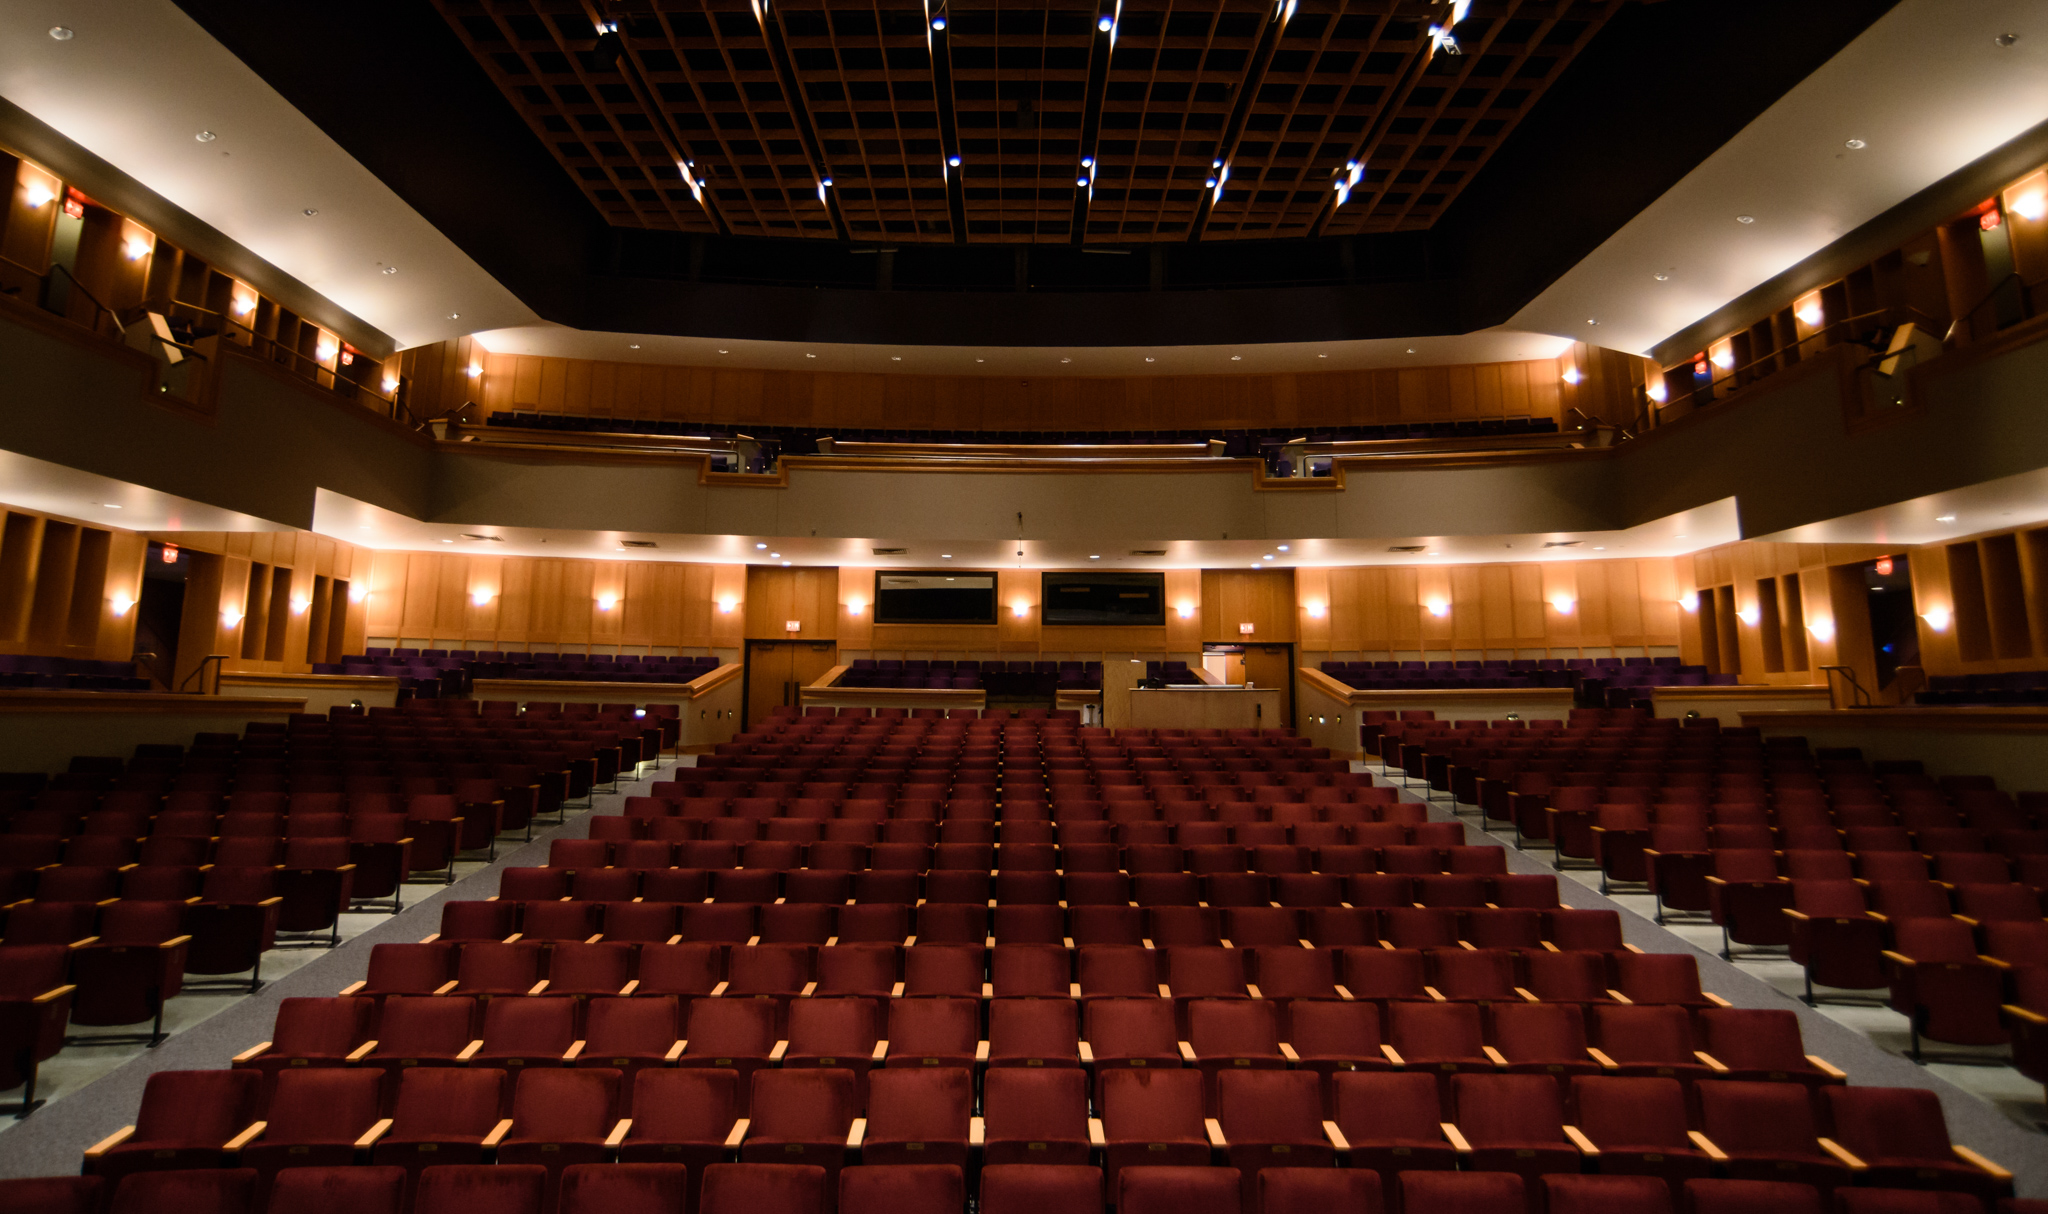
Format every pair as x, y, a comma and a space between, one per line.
24, 701
1937, 718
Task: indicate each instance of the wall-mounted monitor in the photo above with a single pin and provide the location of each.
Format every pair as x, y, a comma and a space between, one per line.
935, 596
1104, 598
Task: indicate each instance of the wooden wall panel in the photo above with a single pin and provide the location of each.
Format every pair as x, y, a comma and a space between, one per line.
581, 388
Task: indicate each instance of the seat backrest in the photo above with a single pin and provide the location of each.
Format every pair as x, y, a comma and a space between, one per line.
762, 1188
934, 1027
623, 1188
323, 1104
360, 1190
1259, 1105
1435, 1030
920, 1104
1152, 1105
803, 1104
1618, 1112
438, 1101
641, 1025
1179, 1190
425, 1025
475, 1188
565, 1104
199, 1107
1757, 1117
1508, 1110
198, 1191
1393, 1106
684, 1105
1889, 1123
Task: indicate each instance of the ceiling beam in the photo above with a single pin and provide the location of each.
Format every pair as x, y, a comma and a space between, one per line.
1240, 112
952, 168
1100, 47
800, 113
678, 147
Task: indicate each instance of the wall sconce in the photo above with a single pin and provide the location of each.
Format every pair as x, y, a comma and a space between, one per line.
1809, 312
137, 248
1186, 610
1937, 618
1571, 375
120, 604
1723, 356
1244, 629
1563, 604
1020, 609
358, 594
1437, 607
473, 370
1315, 609
299, 606
243, 305
856, 606
1689, 601
607, 601
36, 194
792, 625
324, 350
230, 617
1657, 392
1748, 615
481, 598
390, 383
2031, 205
726, 604
1823, 629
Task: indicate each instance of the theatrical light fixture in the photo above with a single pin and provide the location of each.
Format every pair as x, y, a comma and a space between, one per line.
939, 22
952, 160
1105, 23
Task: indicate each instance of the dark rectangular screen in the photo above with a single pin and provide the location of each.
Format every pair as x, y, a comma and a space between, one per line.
1105, 598
935, 596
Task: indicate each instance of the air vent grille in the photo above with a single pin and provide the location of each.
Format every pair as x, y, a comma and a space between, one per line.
637, 544
892, 552
495, 539
1562, 543
1408, 548
1148, 552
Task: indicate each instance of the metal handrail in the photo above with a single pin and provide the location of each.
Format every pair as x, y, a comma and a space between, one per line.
1715, 381
120, 330
1861, 698
199, 671
1970, 317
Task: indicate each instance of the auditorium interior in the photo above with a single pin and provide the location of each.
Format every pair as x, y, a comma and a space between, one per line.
1293, 607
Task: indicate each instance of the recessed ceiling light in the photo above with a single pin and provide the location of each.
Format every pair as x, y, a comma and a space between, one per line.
1745, 219
981, 360
1682, 537
1944, 518
725, 351
1094, 556
1267, 557
1598, 549
1661, 277
1066, 360
111, 505
1855, 145
762, 546
455, 316
1148, 359
945, 556
1997, 40
447, 541
895, 358
391, 269
1237, 358
785, 564
206, 136
1322, 356
1411, 349
775, 556
311, 211
1282, 547
634, 346
63, 33
1591, 321
810, 355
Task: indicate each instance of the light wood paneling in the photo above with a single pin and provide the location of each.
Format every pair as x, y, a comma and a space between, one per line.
530, 383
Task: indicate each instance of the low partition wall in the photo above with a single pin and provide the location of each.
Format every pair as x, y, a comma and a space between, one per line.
1206, 708
1730, 704
42, 730
814, 695
709, 706
2008, 744
320, 691
1328, 712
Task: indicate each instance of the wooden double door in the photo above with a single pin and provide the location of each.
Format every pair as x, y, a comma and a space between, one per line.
777, 671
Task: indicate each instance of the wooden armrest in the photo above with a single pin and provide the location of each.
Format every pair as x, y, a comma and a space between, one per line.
719, 990
250, 1134
2013, 1010
447, 987
618, 1134
1579, 1140
1392, 1056
858, 1134
574, 1051
1215, 1131
1606, 1063
1095, 1135
272, 901
174, 941
1087, 1054
1457, 1140
1298, 939
1630, 948
1716, 1000
353, 987
674, 1052
895, 992
430, 939
1899, 959
988, 990
469, 1051
362, 1051
249, 1055
1287, 1052
108, 1143
981, 1052
1713, 1063
738, 1134
1344, 993
1802, 916
1827, 1068
1707, 1147
632, 984
371, 1135
1187, 1052
498, 1132
1073, 988
1620, 998
1982, 1164
1842, 1154
515, 937
1435, 994
675, 939
977, 1132
1495, 1055
781, 1048
537, 987
1253, 989
1336, 1136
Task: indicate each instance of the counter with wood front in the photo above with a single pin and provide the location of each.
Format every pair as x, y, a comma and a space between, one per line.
1211, 707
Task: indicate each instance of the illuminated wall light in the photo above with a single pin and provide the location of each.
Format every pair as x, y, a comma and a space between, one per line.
1689, 601
856, 606
1723, 356
726, 604
230, 618
1315, 609
120, 604
137, 248
299, 606
1571, 375
325, 350
473, 370
1657, 392
1937, 618
1563, 604
243, 305
36, 194
1884, 566
481, 598
1437, 607
1809, 312
1749, 616
1186, 610
1245, 629
2031, 205
1823, 629
607, 601
358, 594
390, 383
1020, 609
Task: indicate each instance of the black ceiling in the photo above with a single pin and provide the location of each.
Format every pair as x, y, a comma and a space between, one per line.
1569, 117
